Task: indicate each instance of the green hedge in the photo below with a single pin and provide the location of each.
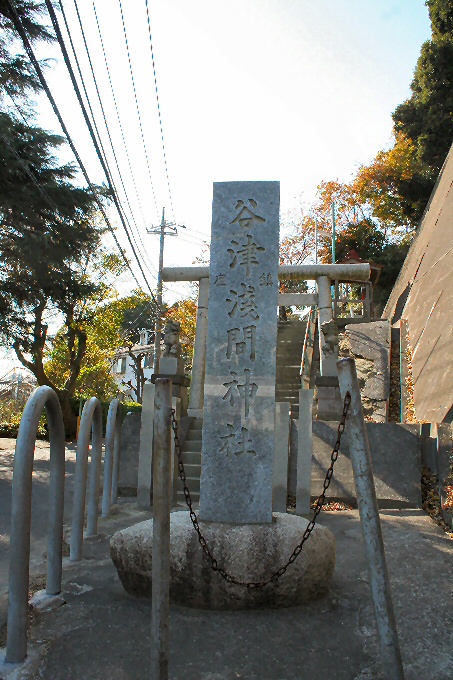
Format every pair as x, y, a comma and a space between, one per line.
9, 426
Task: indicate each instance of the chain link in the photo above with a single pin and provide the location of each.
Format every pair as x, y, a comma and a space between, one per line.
252, 585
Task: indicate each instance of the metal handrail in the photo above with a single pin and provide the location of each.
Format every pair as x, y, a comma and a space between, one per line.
111, 457
19, 569
90, 423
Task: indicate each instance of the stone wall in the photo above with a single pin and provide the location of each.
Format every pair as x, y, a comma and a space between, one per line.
369, 345
423, 296
396, 457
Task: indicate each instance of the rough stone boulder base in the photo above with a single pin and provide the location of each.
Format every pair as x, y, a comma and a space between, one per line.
249, 552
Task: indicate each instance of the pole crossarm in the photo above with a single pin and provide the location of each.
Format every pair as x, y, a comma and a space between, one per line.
307, 272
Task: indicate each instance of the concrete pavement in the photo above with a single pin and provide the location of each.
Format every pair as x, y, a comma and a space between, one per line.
103, 633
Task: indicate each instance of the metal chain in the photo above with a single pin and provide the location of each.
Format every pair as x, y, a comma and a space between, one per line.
252, 585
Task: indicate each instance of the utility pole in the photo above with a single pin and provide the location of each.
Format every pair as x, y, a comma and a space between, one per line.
164, 229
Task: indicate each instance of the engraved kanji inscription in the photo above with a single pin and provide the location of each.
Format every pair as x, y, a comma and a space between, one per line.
244, 254
236, 442
243, 302
220, 280
266, 280
246, 217
242, 342
243, 391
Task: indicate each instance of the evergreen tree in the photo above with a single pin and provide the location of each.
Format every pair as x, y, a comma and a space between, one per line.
17, 75
426, 118
49, 245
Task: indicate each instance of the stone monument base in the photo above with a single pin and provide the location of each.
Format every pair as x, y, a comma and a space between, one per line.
249, 552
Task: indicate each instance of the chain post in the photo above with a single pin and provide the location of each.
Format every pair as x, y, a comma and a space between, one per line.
253, 585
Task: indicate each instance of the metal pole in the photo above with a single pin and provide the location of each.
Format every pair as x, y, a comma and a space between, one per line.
162, 499
19, 549
334, 257
95, 470
371, 527
116, 456
111, 435
91, 415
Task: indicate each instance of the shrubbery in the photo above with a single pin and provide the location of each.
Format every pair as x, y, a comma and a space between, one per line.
11, 413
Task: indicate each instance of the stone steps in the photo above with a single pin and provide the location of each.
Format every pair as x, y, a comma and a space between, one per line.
191, 456
290, 341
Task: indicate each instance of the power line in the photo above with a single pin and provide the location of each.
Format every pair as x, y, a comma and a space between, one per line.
136, 103
158, 108
20, 29
81, 78
116, 108
110, 175
93, 137
112, 91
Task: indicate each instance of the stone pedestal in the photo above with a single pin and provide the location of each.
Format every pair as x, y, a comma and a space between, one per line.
330, 403
249, 552
171, 365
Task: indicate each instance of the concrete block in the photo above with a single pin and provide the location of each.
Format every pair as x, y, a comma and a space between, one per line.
43, 602
130, 446
396, 458
281, 455
304, 451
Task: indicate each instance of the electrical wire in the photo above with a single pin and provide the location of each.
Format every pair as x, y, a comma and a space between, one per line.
56, 26
158, 109
20, 29
112, 91
95, 124
136, 103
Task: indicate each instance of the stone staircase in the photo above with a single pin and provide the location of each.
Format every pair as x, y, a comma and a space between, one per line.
191, 455
290, 340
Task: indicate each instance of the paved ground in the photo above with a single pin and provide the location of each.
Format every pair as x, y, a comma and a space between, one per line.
39, 502
103, 633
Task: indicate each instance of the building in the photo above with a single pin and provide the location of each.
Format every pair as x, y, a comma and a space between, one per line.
17, 384
125, 368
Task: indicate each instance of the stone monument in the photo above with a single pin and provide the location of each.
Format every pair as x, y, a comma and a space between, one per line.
170, 361
171, 364
245, 537
239, 392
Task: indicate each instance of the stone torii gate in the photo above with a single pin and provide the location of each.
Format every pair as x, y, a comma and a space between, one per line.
323, 274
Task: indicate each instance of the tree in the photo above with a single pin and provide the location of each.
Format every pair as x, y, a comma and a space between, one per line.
48, 234
426, 118
372, 245
17, 75
185, 311
379, 186
113, 324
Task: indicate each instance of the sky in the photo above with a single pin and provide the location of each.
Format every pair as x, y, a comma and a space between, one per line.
290, 90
